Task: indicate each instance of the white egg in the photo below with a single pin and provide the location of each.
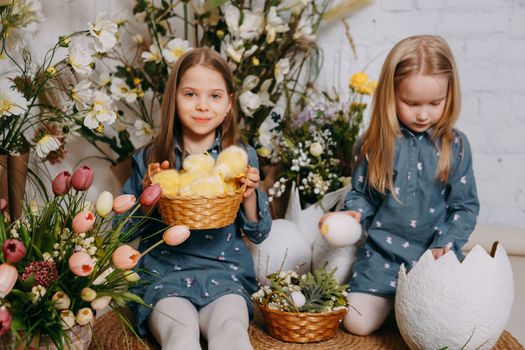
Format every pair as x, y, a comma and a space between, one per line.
341, 230
298, 299
444, 303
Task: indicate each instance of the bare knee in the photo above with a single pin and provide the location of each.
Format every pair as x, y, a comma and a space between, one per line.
360, 325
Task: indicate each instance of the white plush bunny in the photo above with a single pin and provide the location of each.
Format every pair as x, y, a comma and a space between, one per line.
295, 242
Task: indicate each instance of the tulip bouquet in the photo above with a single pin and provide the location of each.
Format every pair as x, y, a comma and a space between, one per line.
317, 292
66, 258
316, 147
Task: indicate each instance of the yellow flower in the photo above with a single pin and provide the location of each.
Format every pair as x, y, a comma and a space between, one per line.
100, 128
220, 34
368, 88
255, 61
358, 79
264, 152
136, 81
51, 71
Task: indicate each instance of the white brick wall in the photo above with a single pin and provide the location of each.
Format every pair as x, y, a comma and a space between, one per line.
488, 40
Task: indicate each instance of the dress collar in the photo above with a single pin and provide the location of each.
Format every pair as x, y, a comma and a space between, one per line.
216, 144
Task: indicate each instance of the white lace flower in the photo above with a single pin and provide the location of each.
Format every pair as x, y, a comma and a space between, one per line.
121, 91
249, 102
153, 55
81, 94
274, 25
252, 24
104, 32
174, 49
101, 111
80, 59
11, 102
281, 69
46, 145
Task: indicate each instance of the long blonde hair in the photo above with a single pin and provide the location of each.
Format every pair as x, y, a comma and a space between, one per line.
171, 128
420, 54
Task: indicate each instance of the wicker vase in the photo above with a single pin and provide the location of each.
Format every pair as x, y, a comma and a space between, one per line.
78, 338
302, 327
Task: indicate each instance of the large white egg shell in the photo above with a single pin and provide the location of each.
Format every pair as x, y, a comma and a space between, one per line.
286, 248
341, 230
444, 303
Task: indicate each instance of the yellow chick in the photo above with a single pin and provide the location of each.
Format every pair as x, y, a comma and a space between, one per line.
231, 186
186, 179
168, 181
205, 186
231, 163
199, 163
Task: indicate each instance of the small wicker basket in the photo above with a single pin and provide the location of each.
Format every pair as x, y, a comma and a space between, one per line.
302, 327
201, 212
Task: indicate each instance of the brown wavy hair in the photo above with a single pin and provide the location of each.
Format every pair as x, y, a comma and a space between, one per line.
163, 145
420, 54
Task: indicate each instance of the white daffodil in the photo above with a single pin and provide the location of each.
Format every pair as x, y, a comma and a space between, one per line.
101, 111
80, 59
84, 316
104, 79
233, 50
68, 319
120, 18
103, 31
304, 30
11, 102
46, 145
143, 129
249, 102
264, 94
274, 25
232, 16
153, 55
282, 68
62, 301
174, 49
250, 82
252, 24
121, 91
82, 94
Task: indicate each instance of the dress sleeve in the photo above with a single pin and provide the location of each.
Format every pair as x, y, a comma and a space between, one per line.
256, 231
361, 198
461, 199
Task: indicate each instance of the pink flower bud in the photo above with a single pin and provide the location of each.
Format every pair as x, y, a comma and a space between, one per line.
83, 222
61, 183
5, 320
3, 204
81, 264
125, 257
14, 250
175, 235
150, 195
82, 178
88, 294
8, 277
123, 203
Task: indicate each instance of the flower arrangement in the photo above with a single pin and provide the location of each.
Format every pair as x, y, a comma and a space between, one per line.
315, 292
65, 259
316, 147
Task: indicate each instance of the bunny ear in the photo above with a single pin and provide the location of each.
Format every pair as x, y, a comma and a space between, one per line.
293, 210
335, 198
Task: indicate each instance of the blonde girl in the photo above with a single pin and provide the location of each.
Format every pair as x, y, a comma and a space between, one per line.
203, 286
413, 187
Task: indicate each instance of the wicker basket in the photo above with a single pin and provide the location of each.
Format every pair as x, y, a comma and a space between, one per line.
201, 212
302, 327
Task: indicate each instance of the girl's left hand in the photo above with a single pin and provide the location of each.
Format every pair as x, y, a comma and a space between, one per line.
251, 180
439, 252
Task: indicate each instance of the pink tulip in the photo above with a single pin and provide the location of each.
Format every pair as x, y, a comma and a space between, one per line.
3, 204
5, 320
8, 277
83, 222
175, 235
81, 264
82, 178
125, 257
61, 183
150, 195
123, 203
14, 250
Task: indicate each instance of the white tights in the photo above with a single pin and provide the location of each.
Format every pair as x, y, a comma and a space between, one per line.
373, 310
175, 323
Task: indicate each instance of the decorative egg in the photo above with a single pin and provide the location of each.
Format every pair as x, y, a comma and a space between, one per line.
444, 303
298, 299
341, 230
